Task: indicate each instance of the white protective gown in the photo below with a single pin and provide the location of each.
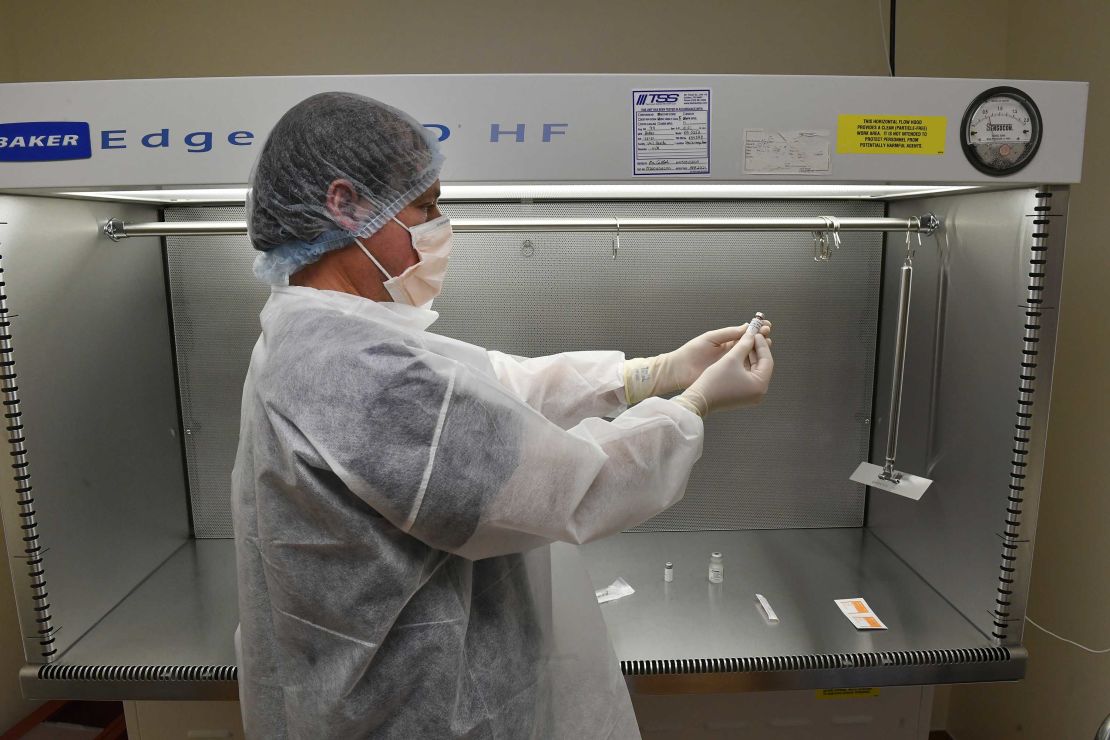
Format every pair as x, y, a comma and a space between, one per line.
394, 496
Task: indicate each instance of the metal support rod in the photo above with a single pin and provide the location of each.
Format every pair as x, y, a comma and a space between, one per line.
901, 333
116, 229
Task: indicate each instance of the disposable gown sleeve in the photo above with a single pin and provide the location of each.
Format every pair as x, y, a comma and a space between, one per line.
567, 387
450, 456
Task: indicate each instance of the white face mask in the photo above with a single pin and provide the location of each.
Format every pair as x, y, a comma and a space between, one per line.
419, 284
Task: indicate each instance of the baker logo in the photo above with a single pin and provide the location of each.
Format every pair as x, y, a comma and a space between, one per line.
44, 141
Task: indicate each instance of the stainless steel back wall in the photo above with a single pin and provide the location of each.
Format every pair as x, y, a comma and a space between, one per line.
783, 464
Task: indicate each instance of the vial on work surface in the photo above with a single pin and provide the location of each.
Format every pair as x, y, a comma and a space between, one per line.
716, 568
757, 323
668, 572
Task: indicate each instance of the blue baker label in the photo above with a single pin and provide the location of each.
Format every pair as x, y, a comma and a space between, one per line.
44, 141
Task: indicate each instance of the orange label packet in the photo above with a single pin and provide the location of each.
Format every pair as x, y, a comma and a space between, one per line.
860, 614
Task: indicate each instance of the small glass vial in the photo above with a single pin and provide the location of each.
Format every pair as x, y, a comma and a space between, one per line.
716, 568
757, 323
668, 572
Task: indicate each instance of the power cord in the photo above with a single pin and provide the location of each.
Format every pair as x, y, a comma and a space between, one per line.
1070, 642
884, 35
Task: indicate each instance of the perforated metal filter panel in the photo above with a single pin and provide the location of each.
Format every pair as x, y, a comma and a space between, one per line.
783, 464
215, 301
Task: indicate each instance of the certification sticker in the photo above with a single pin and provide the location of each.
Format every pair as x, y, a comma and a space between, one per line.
670, 132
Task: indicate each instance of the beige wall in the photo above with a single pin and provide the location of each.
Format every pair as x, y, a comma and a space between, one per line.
1067, 692
7, 51
952, 38
116, 39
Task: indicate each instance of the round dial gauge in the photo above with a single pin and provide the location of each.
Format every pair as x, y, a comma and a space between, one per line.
1001, 131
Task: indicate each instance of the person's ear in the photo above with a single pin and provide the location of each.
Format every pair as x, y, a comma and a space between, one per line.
345, 207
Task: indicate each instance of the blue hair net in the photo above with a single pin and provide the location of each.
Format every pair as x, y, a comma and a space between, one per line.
385, 154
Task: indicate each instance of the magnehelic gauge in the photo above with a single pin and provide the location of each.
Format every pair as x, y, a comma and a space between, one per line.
1001, 131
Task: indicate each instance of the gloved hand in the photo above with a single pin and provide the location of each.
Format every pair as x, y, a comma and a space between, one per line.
730, 382
673, 371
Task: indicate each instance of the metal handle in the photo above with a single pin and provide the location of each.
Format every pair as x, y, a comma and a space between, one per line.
899, 369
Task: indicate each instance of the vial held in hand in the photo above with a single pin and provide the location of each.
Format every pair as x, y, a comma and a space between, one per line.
757, 323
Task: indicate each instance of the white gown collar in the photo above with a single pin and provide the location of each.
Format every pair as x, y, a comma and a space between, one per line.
386, 312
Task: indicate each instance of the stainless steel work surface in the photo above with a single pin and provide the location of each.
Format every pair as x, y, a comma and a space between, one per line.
694, 626
172, 637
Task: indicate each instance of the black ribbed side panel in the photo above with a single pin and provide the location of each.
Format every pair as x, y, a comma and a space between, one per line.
1023, 425
139, 673
21, 473
814, 662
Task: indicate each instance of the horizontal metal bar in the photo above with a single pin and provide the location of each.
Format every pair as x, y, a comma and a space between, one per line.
788, 679
927, 224
607, 225
116, 229
92, 683
116, 683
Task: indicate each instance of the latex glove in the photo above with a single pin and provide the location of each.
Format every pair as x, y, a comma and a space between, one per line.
672, 371
730, 382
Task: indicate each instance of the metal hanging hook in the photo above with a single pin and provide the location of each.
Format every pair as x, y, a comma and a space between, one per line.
617, 238
820, 246
834, 223
822, 239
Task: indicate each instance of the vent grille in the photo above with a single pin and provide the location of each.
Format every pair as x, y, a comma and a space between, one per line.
56, 672
21, 474
1023, 426
814, 662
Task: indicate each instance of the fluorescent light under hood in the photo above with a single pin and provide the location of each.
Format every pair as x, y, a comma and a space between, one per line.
563, 191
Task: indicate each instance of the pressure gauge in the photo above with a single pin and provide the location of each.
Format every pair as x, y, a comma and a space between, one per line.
1001, 131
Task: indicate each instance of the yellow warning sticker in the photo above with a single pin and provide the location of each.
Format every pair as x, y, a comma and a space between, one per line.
846, 693
890, 134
